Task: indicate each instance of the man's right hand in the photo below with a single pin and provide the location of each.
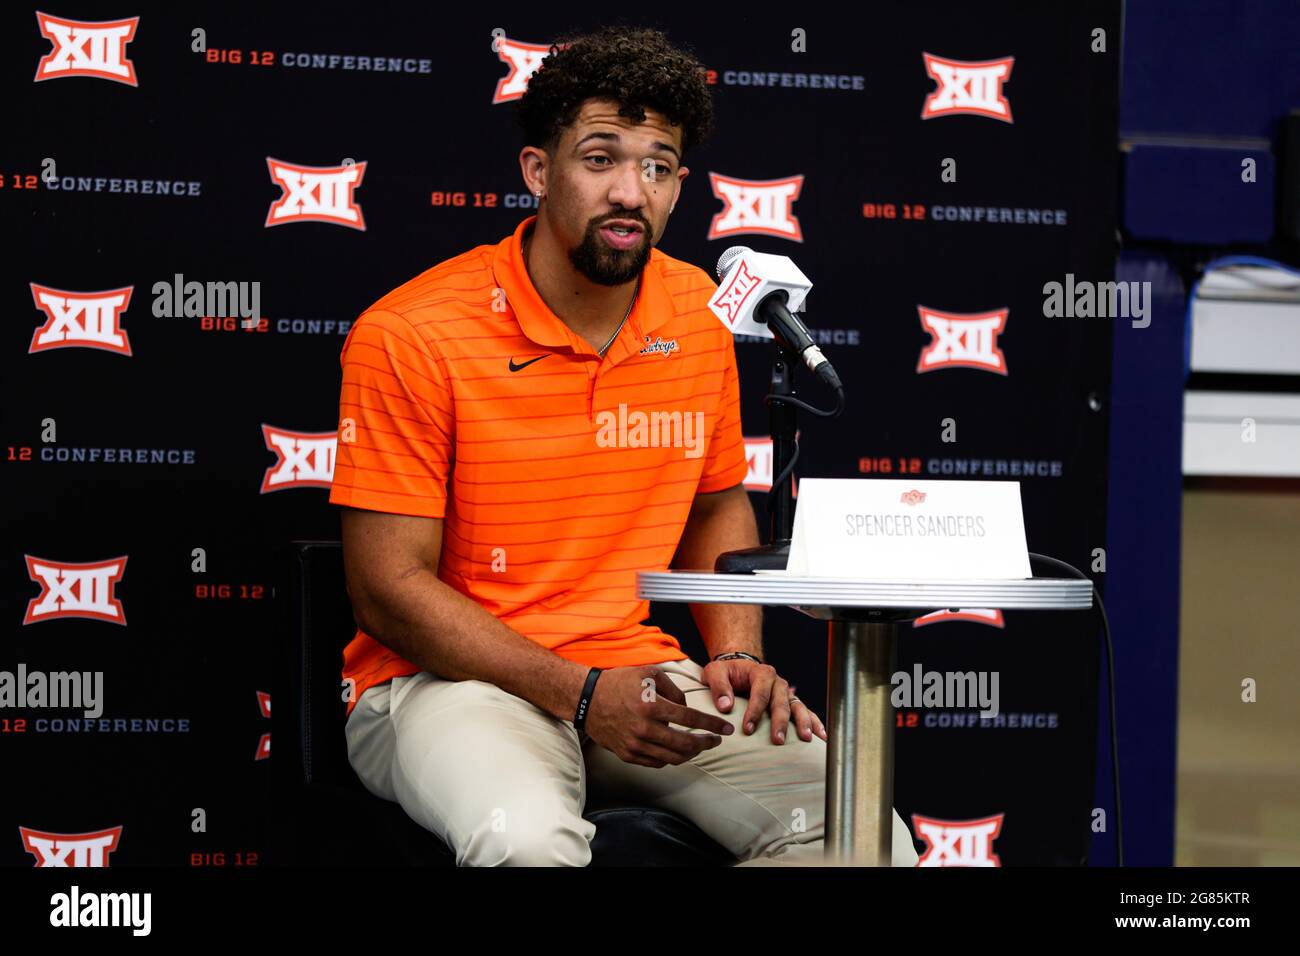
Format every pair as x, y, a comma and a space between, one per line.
629, 714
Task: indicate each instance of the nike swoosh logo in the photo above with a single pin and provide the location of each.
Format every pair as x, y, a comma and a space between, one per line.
515, 368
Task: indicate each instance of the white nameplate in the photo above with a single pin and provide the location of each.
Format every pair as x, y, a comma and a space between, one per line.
901, 529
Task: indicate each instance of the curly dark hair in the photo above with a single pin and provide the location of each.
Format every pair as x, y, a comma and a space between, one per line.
638, 67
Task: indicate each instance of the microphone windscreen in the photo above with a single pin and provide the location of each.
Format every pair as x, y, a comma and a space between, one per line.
727, 258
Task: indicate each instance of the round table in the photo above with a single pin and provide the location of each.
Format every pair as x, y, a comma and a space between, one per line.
865, 620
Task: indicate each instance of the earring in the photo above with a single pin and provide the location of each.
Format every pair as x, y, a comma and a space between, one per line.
539, 194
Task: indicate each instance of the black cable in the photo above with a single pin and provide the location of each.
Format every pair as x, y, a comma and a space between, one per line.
1110, 665
800, 403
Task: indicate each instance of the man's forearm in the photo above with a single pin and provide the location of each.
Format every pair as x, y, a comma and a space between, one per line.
718, 523
434, 626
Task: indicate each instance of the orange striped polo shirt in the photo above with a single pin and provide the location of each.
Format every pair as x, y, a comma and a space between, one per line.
558, 473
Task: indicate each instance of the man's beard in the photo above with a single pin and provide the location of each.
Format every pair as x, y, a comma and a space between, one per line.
605, 265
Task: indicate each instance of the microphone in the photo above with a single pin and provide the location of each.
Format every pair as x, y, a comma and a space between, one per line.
757, 295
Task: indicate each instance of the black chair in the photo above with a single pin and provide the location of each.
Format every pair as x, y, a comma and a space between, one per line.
322, 814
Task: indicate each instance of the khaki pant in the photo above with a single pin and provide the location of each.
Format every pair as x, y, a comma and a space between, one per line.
502, 782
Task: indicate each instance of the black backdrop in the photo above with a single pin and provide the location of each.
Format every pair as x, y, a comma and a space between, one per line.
877, 241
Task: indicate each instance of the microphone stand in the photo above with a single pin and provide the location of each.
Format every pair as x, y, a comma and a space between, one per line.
780, 498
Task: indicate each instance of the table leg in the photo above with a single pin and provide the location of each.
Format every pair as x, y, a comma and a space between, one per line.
860, 755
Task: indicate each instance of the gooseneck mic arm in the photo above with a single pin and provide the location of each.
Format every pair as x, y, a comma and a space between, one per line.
791, 333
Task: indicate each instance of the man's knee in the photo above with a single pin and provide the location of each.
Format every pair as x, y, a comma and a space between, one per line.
533, 839
791, 807
370, 742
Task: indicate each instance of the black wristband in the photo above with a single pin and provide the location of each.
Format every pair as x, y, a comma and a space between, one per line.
737, 655
580, 719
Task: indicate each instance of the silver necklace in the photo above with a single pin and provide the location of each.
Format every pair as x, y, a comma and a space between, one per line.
601, 351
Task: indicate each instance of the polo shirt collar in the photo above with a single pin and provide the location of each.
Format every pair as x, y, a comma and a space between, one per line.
653, 307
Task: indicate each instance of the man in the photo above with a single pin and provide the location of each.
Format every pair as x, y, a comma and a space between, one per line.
500, 497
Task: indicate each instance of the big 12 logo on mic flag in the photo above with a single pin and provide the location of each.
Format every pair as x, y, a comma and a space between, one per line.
750, 277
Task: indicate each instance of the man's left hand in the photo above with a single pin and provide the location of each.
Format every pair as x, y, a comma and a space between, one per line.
766, 691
